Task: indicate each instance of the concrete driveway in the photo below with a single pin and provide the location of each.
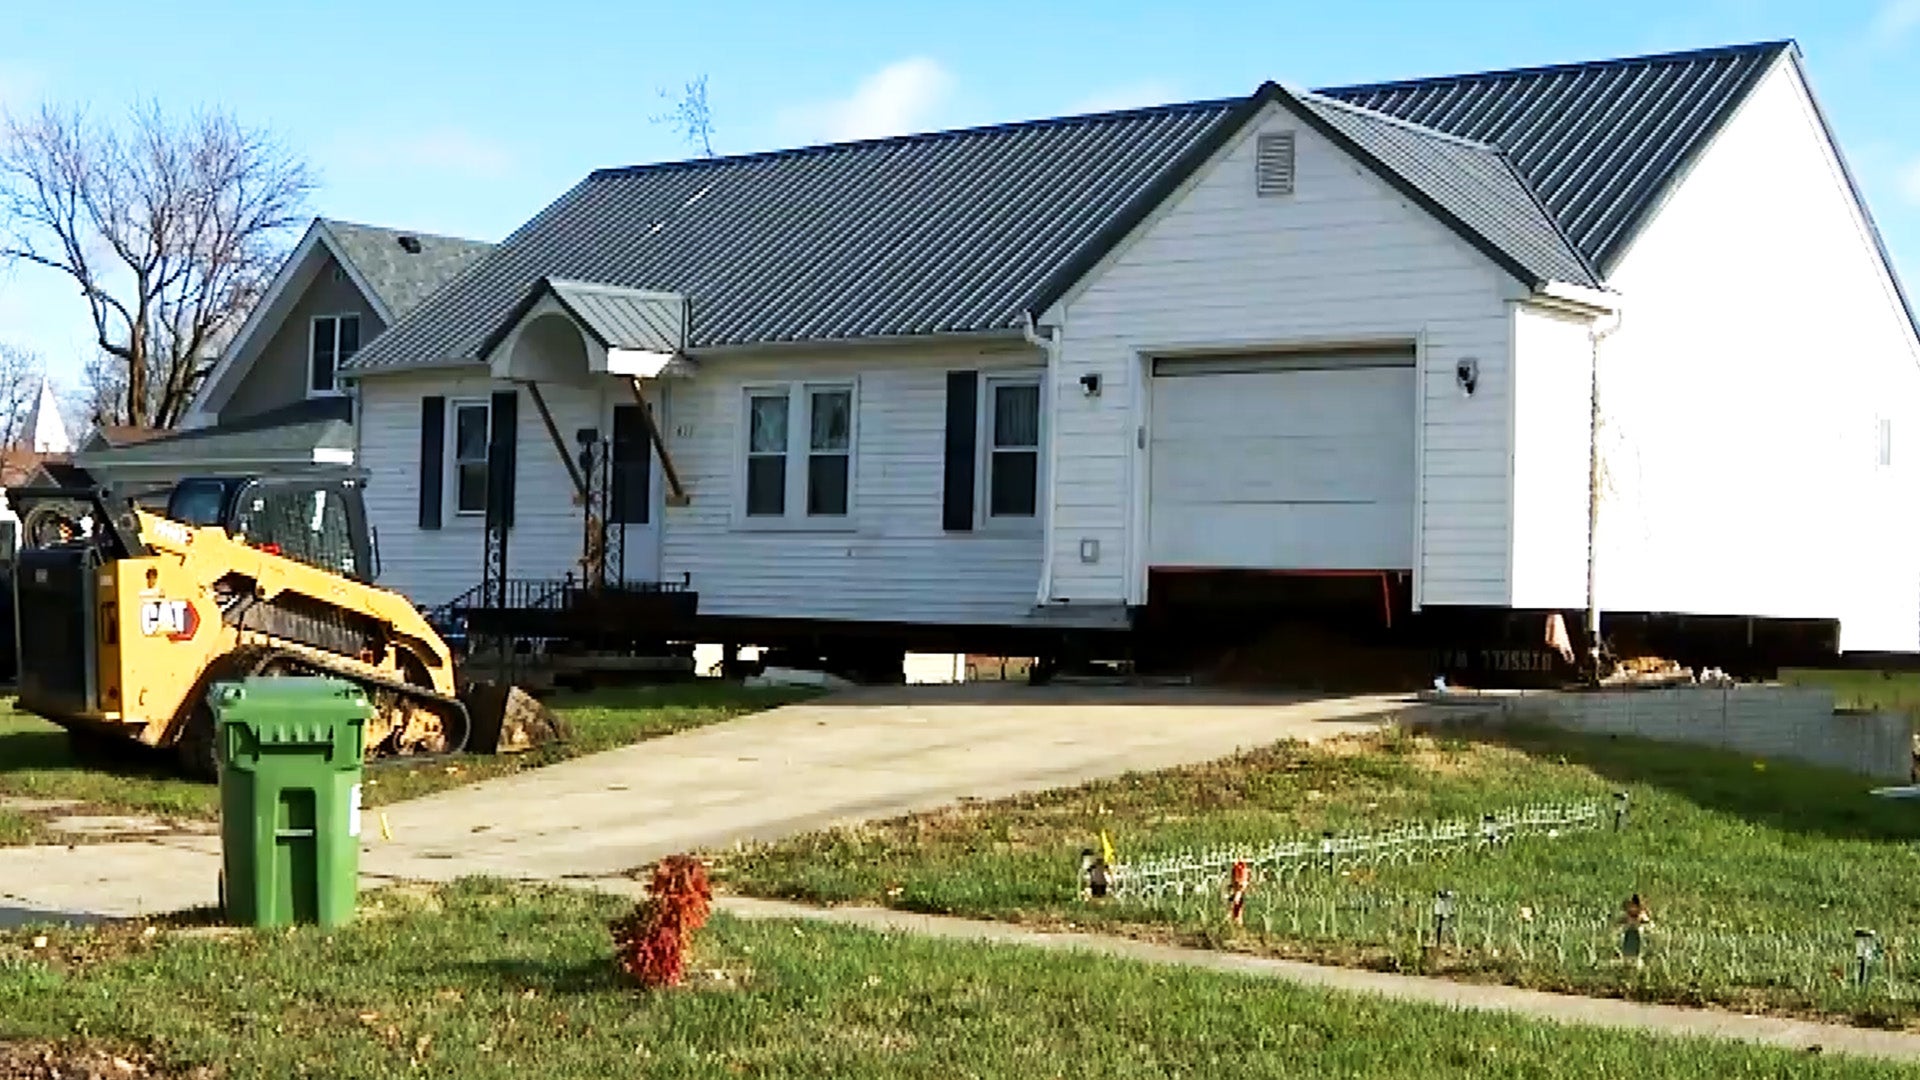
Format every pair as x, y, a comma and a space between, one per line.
856, 755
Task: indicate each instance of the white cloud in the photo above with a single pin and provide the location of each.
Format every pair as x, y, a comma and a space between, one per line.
1894, 20
19, 85
443, 150
1132, 95
1910, 181
904, 96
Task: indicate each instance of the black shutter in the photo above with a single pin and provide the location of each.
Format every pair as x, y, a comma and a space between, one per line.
433, 451
501, 458
963, 394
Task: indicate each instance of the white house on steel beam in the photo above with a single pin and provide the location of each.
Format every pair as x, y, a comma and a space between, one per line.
1012, 377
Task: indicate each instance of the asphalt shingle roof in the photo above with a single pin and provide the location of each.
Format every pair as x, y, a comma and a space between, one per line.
292, 431
1598, 142
403, 278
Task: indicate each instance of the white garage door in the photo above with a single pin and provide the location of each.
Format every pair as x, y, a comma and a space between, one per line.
1288, 462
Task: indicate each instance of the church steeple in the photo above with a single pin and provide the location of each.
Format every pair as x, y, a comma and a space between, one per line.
44, 432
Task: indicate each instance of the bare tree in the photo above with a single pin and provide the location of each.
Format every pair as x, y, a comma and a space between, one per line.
170, 227
20, 375
689, 115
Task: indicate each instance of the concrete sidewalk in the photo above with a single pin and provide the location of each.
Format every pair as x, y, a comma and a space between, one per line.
859, 755
1804, 1035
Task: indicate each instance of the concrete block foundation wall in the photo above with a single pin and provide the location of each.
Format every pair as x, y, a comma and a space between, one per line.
1780, 722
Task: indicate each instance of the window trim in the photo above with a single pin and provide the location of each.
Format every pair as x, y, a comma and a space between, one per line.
453, 462
313, 338
984, 519
799, 451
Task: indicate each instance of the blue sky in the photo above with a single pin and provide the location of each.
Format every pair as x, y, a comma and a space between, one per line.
467, 117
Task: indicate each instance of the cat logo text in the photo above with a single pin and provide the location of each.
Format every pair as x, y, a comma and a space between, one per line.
176, 620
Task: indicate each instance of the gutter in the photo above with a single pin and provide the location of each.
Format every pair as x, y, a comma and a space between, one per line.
1007, 335
318, 456
1048, 343
1594, 480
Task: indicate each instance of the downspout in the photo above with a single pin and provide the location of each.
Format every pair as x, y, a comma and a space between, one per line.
1594, 482
1048, 343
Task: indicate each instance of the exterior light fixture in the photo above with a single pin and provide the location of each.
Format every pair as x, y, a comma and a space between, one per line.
1467, 374
1090, 384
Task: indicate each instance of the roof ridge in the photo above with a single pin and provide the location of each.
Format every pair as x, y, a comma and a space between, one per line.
1552, 219
1679, 56
331, 222
914, 137
1389, 118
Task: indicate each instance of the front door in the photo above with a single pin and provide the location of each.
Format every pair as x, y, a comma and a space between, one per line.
636, 501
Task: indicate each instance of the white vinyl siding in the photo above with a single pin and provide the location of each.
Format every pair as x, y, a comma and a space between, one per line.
1740, 398
889, 559
1343, 259
433, 566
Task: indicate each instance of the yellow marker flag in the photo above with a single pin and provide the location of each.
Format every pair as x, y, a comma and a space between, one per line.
1106, 848
385, 832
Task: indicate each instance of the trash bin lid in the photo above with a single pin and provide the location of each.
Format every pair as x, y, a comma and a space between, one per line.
290, 710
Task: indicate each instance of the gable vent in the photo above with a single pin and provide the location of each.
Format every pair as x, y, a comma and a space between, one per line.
1273, 165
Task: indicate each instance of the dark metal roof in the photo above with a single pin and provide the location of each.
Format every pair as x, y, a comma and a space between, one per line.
1546, 170
922, 234
1468, 185
619, 318
1600, 142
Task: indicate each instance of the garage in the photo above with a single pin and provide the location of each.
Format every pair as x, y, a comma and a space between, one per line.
1293, 461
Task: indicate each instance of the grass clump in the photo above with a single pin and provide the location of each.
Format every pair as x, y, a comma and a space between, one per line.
1756, 873
483, 979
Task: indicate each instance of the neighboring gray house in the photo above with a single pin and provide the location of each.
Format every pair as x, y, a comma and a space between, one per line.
273, 402
1050, 373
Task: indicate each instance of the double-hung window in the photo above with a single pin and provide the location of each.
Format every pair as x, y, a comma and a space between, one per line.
471, 424
799, 453
333, 341
1012, 448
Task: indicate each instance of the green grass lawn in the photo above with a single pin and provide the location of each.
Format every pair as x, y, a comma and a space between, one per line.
1894, 691
1755, 874
36, 759
483, 980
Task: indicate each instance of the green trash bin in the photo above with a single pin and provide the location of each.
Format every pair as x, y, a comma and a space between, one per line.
290, 753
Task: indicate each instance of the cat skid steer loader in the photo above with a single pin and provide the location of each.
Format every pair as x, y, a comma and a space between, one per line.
128, 617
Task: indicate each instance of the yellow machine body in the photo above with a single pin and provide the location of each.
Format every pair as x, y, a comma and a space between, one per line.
127, 618
162, 627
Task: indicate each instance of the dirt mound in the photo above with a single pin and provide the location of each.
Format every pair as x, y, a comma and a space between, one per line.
507, 720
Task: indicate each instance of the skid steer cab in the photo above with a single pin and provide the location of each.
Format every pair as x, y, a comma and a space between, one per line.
128, 616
